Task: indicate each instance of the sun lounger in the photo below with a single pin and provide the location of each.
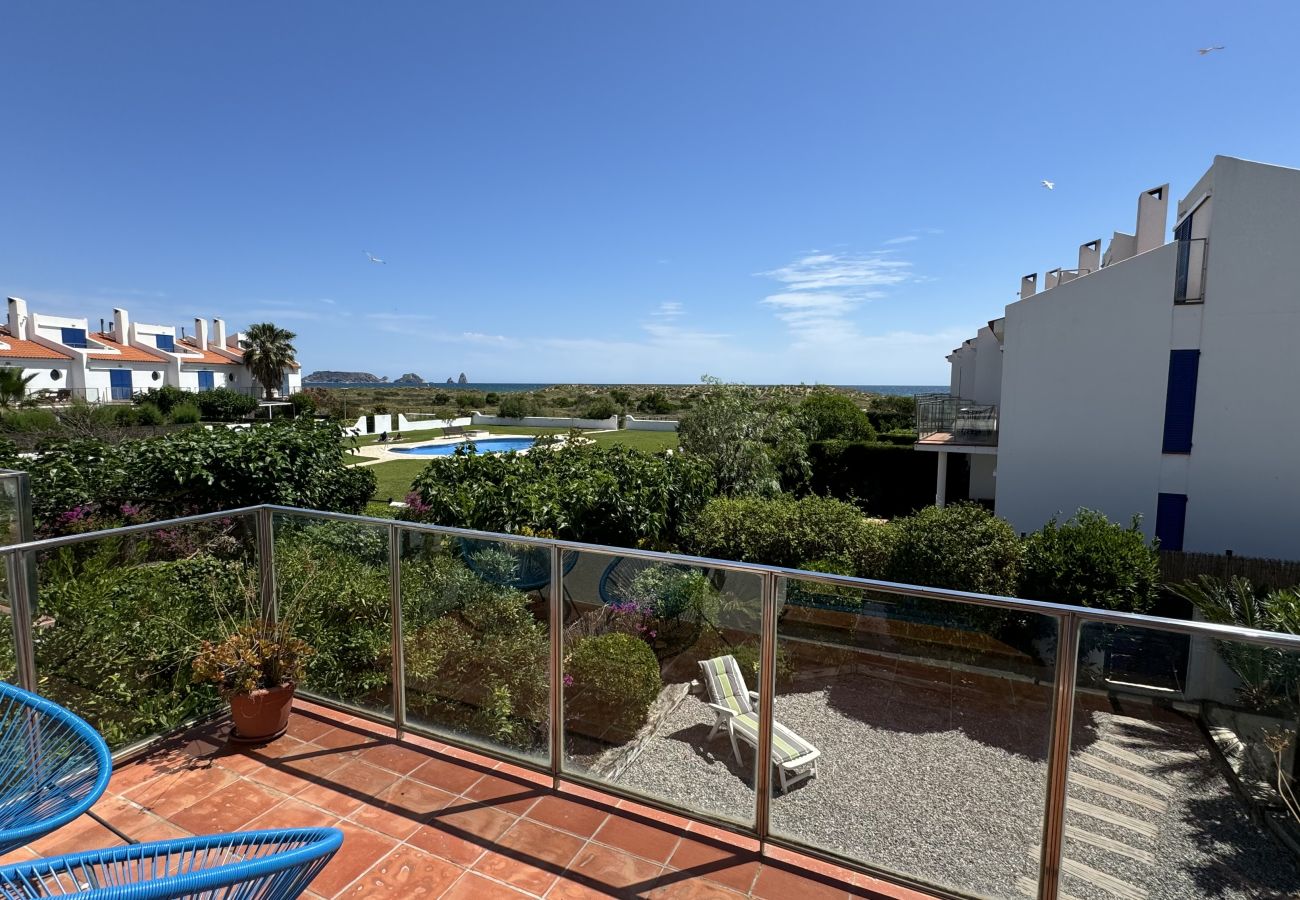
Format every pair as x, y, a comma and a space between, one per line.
735, 707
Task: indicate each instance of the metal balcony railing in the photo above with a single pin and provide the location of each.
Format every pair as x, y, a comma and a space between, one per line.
831, 656
961, 421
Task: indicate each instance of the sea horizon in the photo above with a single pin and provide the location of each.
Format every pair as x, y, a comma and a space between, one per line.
510, 387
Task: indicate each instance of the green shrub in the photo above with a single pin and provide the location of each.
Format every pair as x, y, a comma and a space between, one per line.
185, 414
611, 682
30, 421
746, 656
826, 415
605, 495
303, 404
491, 398
789, 532
516, 406
600, 408
963, 547
893, 413
164, 398
143, 414
225, 405
656, 402
884, 479
1092, 562
898, 438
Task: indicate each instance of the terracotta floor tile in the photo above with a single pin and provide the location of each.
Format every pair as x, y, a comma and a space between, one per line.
172, 793
345, 740
648, 841
313, 761
875, 889
293, 813
405, 872
228, 808
394, 757
158, 830
523, 774
780, 883
146, 769
717, 835
307, 727
361, 848
476, 887
604, 869
725, 865
348, 787
80, 834
529, 856
18, 855
504, 793
462, 836
671, 888
575, 816
446, 774
671, 820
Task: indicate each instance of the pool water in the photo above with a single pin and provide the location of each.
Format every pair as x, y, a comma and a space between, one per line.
487, 445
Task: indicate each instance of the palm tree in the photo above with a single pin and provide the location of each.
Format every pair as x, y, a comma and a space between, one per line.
268, 351
13, 386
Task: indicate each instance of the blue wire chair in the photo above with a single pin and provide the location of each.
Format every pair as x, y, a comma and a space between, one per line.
53, 766
267, 865
532, 563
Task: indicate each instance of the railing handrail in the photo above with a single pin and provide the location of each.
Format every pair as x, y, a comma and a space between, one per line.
1056, 610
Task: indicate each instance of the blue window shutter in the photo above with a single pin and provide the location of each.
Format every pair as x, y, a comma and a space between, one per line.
74, 337
164, 342
1171, 519
1180, 400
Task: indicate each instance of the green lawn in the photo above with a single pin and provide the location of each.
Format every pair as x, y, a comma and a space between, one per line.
394, 478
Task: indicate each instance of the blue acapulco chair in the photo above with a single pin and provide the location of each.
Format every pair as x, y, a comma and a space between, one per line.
53, 766
266, 865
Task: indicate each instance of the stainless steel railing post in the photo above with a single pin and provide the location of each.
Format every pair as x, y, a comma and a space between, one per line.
264, 530
18, 570
766, 702
1058, 757
395, 599
556, 667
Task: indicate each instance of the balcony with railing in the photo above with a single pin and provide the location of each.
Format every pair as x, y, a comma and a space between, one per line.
498, 715
946, 421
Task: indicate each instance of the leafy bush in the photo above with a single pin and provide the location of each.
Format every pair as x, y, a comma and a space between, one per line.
748, 437
886, 480
491, 398
144, 414
164, 398
825, 415
962, 547
30, 421
1092, 562
185, 414
789, 532
606, 495
304, 404
601, 408
892, 413
516, 406
656, 402
898, 438
225, 405
611, 682
746, 656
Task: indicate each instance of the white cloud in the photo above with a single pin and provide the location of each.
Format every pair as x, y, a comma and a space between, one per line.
824, 290
670, 309
905, 239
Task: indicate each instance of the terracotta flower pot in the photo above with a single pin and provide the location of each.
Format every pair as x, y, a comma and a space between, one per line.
263, 715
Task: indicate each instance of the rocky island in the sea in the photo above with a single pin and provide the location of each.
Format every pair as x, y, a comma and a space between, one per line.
410, 378
327, 376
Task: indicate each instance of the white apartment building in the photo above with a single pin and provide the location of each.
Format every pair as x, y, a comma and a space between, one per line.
1159, 380
124, 357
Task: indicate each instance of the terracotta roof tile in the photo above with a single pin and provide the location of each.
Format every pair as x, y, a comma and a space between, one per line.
124, 354
187, 346
15, 349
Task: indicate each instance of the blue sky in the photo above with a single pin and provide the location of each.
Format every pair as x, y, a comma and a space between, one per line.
798, 192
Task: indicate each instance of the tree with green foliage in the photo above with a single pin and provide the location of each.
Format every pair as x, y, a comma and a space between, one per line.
748, 437
1091, 561
224, 405
963, 547
268, 352
516, 406
825, 415
890, 412
13, 386
600, 408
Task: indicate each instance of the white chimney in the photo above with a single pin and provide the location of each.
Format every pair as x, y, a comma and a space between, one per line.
1051, 279
1122, 246
1153, 213
201, 333
219, 332
121, 326
1090, 257
18, 318
1028, 286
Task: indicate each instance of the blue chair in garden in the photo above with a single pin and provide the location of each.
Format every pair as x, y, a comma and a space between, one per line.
53, 767
267, 865
532, 563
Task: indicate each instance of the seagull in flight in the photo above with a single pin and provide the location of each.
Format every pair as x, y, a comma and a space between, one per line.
375, 259
1206, 51
1050, 185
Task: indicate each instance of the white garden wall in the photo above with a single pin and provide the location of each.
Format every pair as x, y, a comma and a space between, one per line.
634, 424
548, 422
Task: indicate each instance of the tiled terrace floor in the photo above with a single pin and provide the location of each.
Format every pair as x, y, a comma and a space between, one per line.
423, 820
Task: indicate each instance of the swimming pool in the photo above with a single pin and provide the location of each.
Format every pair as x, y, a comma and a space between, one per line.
487, 445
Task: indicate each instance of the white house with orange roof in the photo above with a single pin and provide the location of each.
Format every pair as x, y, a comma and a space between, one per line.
128, 358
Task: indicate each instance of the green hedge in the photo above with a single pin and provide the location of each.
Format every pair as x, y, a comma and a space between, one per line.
884, 479
610, 680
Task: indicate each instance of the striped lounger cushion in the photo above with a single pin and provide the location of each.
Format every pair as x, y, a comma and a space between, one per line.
726, 684
786, 745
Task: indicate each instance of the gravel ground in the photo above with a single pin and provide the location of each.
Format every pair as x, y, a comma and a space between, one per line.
955, 798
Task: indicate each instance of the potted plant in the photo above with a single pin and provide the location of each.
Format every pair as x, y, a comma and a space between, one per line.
256, 667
